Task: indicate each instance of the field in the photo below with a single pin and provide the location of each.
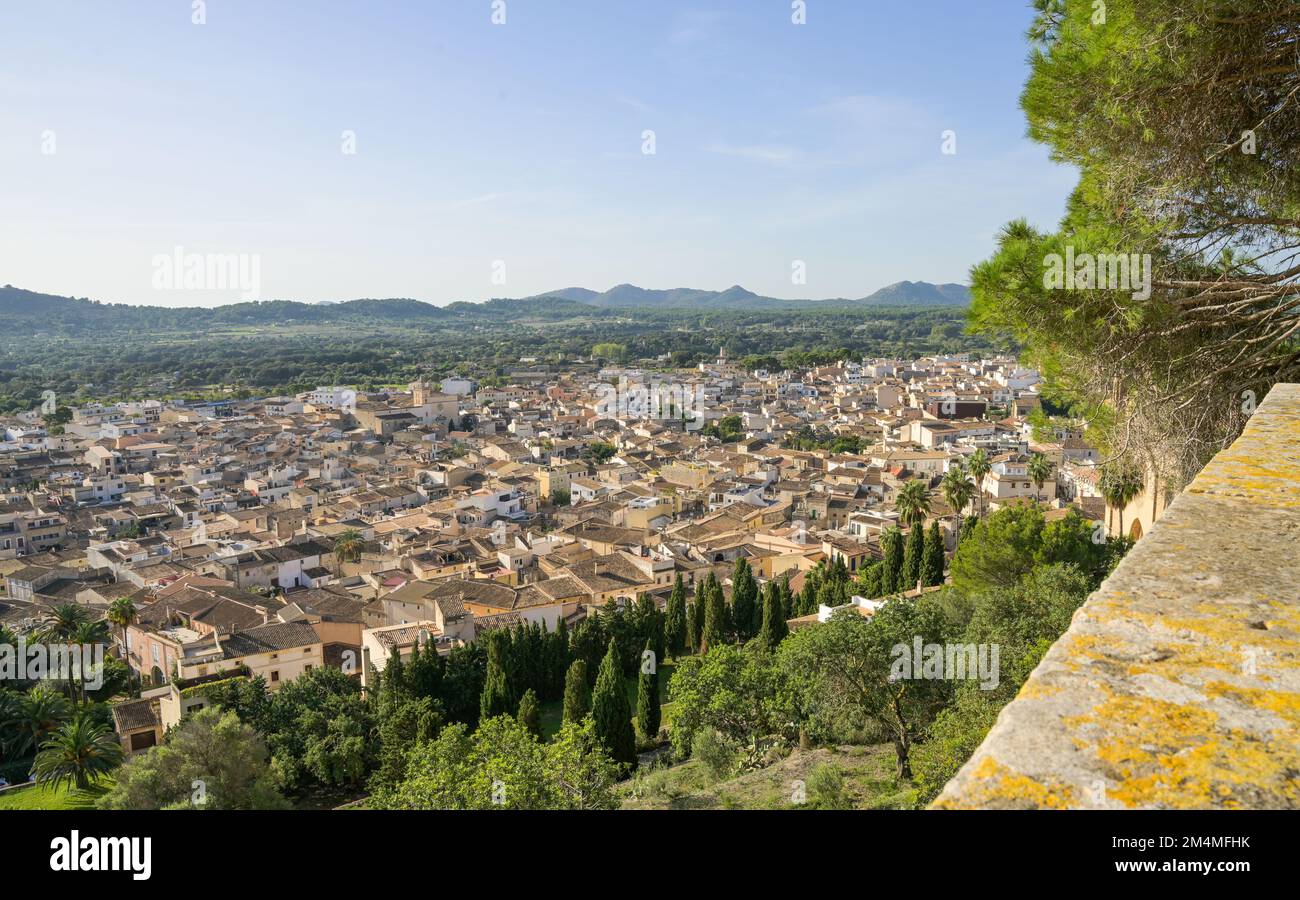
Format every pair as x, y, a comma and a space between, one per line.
43, 797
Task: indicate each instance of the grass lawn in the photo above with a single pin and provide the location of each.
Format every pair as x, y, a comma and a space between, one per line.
43, 797
552, 712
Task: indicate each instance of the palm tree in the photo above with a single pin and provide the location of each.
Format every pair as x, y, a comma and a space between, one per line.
40, 711
58, 625
912, 503
88, 634
122, 612
60, 622
1040, 469
348, 546
11, 717
957, 489
979, 466
79, 753
1119, 484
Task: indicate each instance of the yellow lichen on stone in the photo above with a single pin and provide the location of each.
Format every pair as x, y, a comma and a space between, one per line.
1177, 756
1000, 786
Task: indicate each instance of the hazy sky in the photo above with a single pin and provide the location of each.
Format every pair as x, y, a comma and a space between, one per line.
520, 143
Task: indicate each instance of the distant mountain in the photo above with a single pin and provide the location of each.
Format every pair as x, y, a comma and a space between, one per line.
28, 312
920, 293
623, 296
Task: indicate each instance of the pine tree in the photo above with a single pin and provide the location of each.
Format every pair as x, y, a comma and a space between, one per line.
577, 696
675, 619
913, 558
496, 699
610, 710
692, 616
744, 594
787, 598
774, 628
529, 715
933, 573
647, 695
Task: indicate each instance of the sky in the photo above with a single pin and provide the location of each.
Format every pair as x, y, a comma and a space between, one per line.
419, 149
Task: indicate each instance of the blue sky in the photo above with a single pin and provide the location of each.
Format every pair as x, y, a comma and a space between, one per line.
519, 143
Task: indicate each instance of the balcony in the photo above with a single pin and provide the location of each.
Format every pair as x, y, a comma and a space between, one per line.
1177, 685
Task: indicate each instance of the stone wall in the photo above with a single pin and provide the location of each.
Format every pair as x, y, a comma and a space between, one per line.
1177, 684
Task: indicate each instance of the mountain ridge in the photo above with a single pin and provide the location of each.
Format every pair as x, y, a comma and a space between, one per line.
32, 312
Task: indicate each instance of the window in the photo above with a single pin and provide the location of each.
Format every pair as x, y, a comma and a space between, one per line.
275, 676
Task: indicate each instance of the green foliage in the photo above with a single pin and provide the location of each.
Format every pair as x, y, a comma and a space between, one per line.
843, 668
774, 628
601, 451
577, 694
610, 710
498, 698
955, 734
529, 714
648, 714
932, 567
78, 754
1180, 117
502, 765
213, 749
675, 624
745, 611
826, 788
733, 691
1007, 545
893, 575
913, 558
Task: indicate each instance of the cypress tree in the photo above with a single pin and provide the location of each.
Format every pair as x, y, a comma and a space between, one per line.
869, 580
577, 696
529, 715
891, 574
553, 666
610, 710
496, 699
913, 558
675, 638
703, 594
744, 593
715, 617
774, 628
392, 683
647, 697
933, 569
423, 674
